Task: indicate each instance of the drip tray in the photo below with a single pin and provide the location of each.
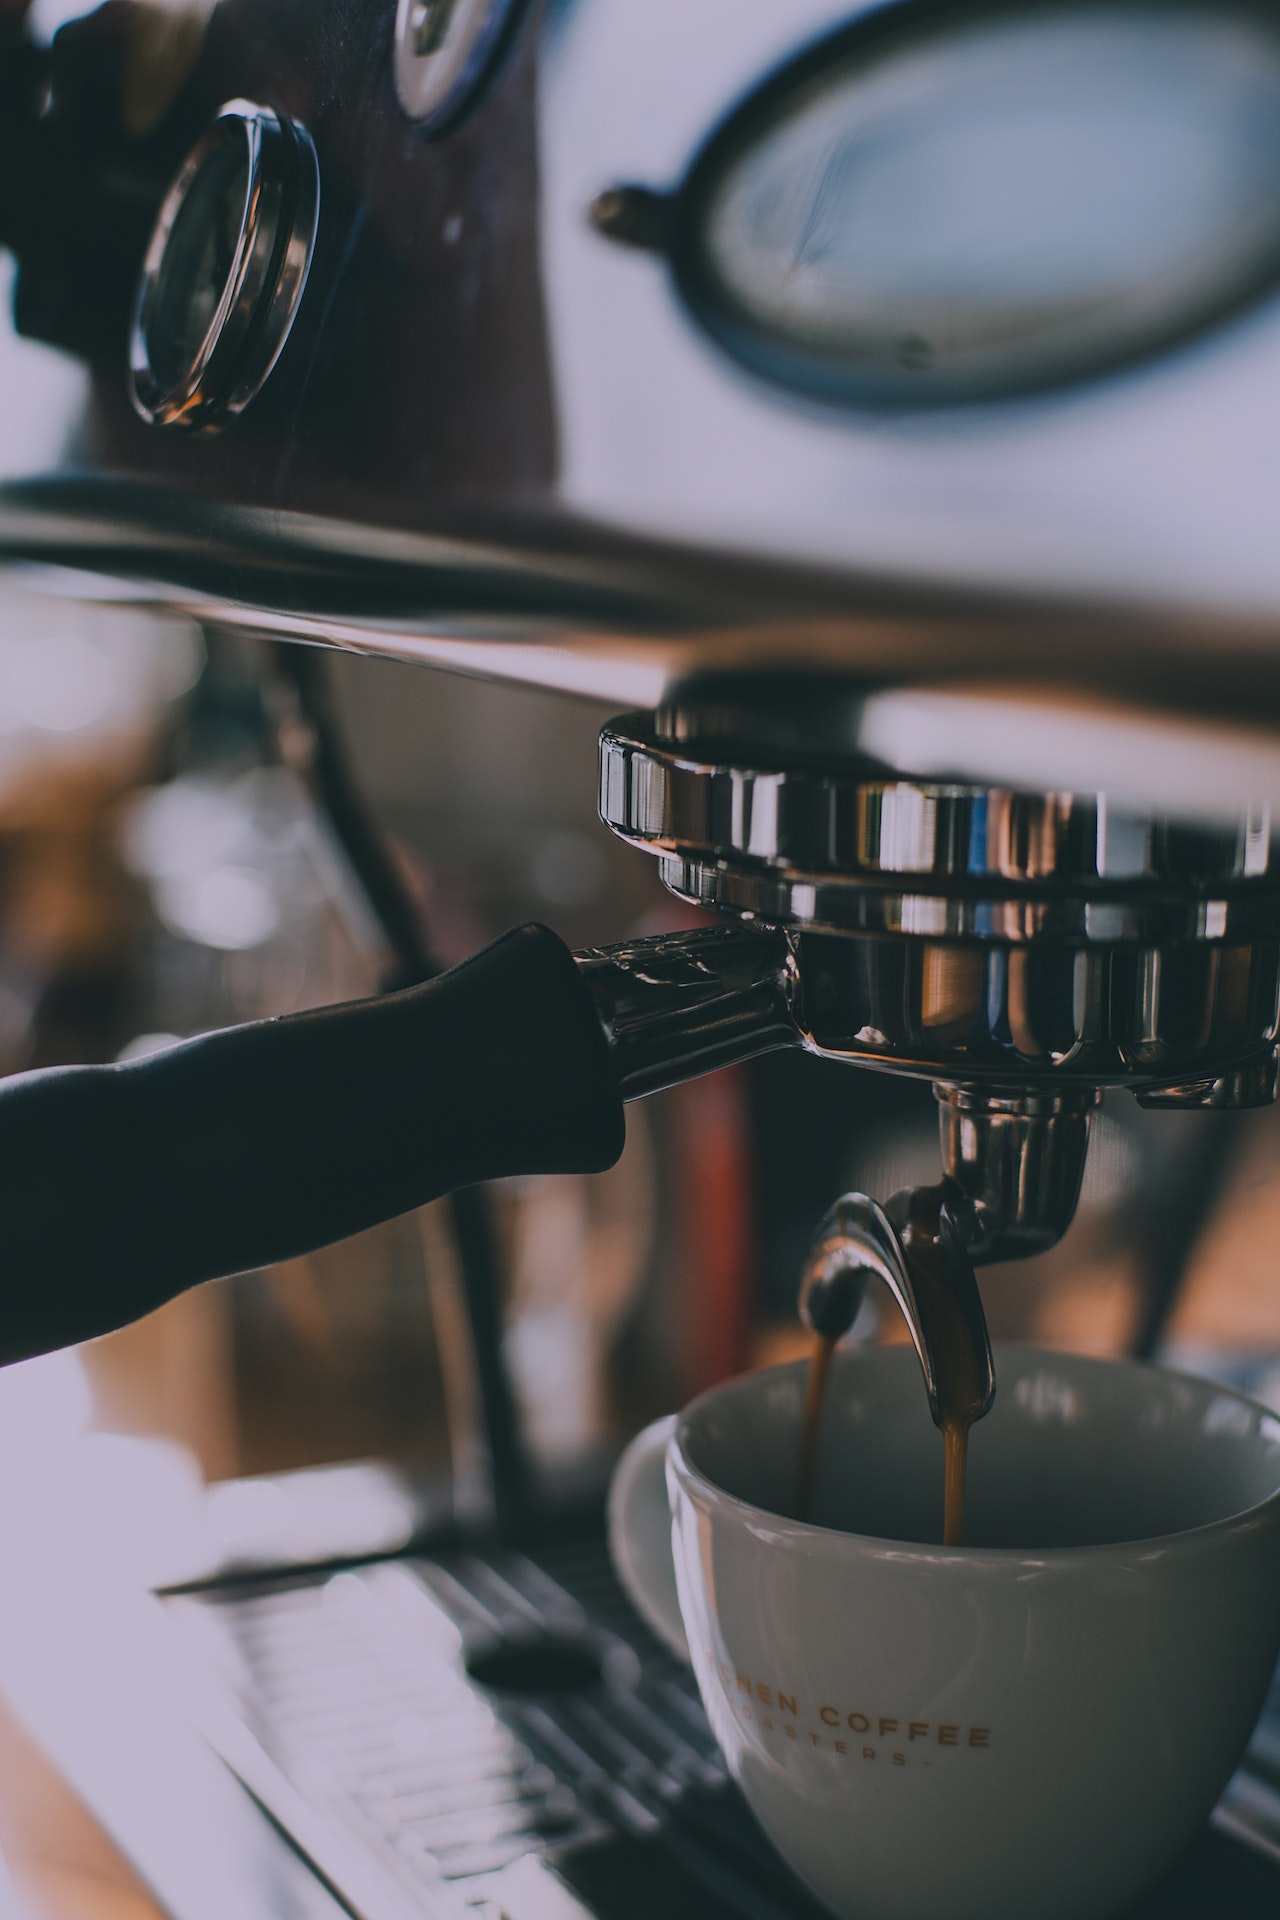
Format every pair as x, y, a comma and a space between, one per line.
505, 1737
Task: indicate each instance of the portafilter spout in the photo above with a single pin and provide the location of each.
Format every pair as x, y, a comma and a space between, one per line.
1012, 1166
912, 1246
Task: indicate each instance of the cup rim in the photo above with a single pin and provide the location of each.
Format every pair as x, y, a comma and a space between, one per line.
784, 1529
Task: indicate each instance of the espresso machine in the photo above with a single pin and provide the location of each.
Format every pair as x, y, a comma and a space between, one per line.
874, 405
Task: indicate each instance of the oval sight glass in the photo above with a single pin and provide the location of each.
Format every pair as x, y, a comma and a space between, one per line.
990, 203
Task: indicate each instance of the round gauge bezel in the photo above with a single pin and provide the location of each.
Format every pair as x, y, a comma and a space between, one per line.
263, 287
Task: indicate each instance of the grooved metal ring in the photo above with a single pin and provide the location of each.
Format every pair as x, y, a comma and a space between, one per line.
854, 848
255, 269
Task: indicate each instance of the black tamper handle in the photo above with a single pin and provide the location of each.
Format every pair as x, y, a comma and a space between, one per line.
120, 1186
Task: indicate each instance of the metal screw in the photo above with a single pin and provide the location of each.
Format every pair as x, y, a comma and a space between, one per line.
633, 216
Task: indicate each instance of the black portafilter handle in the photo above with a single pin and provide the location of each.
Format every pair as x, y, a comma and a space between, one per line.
121, 1186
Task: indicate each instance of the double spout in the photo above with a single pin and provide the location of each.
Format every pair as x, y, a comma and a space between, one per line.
1012, 1160
912, 1246
1012, 1168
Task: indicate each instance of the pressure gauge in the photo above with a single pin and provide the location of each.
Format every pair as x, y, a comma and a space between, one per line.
225, 269
958, 202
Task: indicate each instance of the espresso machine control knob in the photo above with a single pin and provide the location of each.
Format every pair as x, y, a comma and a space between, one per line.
225, 269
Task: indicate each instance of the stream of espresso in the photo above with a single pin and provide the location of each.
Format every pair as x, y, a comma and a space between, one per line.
815, 1395
955, 1449
955, 1402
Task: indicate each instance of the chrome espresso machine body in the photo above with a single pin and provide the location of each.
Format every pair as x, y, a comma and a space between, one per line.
877, 406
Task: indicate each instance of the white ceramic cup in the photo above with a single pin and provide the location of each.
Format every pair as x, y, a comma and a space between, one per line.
1035, 1723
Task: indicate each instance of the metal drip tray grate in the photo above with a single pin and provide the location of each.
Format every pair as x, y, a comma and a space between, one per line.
465, 1715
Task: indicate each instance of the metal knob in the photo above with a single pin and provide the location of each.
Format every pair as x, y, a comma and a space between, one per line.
225, 270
